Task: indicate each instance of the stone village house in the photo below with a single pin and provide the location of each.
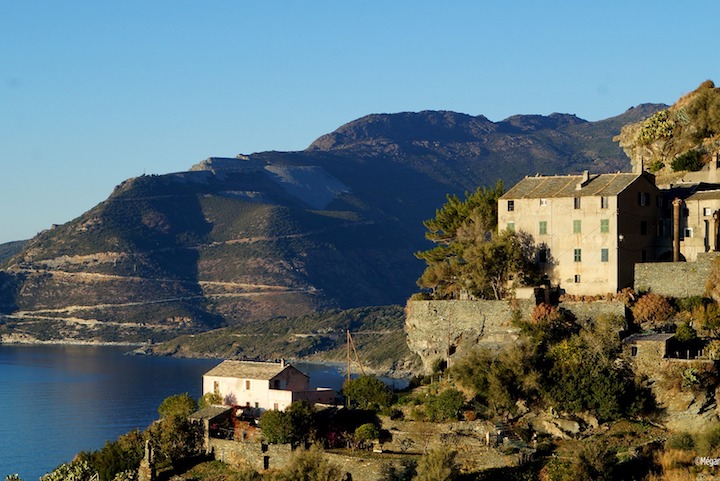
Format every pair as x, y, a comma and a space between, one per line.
592, 229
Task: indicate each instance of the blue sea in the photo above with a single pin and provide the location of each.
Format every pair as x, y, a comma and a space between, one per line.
57, 400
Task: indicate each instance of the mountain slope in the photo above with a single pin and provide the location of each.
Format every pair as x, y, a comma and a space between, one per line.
280, 233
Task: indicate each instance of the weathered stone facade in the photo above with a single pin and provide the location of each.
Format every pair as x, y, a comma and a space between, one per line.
438, 330
675, 279
589, 229
476, 443
363, 466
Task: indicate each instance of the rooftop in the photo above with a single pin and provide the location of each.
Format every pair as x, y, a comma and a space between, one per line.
248, 369
654, 337
566, 186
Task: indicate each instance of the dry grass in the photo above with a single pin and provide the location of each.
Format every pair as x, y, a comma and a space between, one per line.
670, 459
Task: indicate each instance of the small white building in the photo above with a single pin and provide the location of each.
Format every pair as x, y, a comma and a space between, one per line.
262, 385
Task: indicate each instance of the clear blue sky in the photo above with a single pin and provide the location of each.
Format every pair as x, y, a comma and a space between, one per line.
94, 92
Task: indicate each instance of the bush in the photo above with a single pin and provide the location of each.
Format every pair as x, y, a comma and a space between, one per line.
117, 456
175, 439
658, 126
593, 462
445, 406
404, 472
365, 433
681, 441
76, 471
437, 465
309, 465
652, 308
210, 399
709, 440
690, 160
708, 316
689, 304
685, 333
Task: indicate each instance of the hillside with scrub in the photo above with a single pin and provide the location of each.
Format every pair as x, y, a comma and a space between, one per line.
677, 139
238, 240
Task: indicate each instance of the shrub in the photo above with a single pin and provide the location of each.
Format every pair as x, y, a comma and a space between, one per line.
652, 308
365, 433
545, 314
689, 304
656, 165
681, 441
445, 406
77, 470
708, 316
685, 333
437, 465
393, 413
175, 438
404, 472
294, 425
310, 465
690, 160
708, 441
658, 126
593, 462
674, 464
117, 457
210, 399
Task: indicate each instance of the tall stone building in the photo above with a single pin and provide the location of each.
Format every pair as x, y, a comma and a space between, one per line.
591, 230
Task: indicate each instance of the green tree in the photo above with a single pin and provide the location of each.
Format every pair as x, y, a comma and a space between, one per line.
437, 465
489, 263
690, 160
498, 381
177, 405
276, 427
302, 421
297, 424
174, 436
480, 208
368, 392
471, 256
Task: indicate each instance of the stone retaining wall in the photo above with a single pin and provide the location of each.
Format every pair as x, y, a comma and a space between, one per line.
675, 279
437, 330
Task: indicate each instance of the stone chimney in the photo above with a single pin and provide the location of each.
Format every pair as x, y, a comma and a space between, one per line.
584, 181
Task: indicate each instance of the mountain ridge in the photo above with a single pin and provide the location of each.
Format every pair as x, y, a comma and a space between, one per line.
277, 233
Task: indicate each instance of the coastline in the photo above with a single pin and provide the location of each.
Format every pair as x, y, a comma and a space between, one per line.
67, 342
145, 349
